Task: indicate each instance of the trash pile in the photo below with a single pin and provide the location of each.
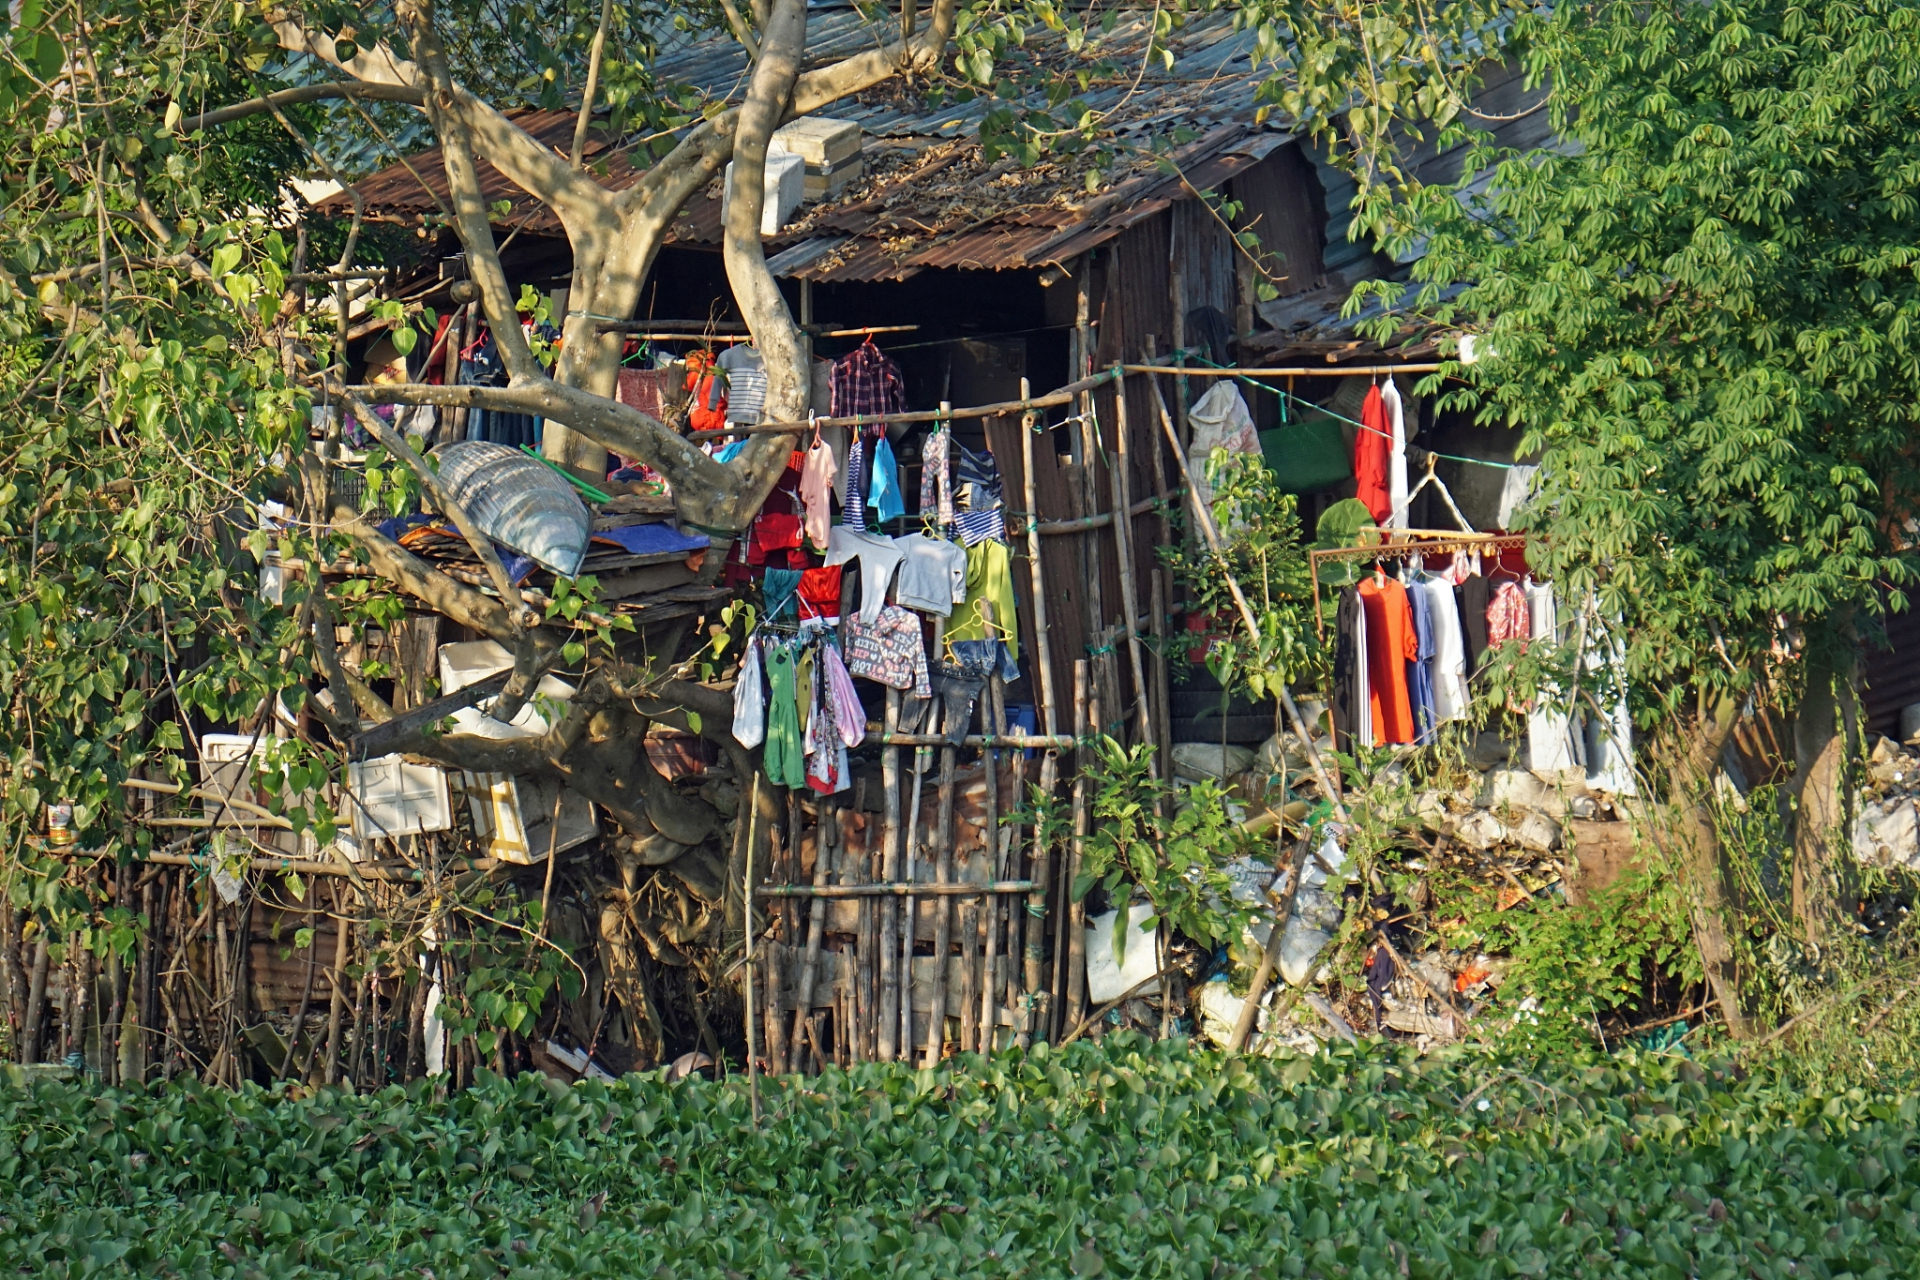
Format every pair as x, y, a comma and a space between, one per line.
1887, 831
1519, 832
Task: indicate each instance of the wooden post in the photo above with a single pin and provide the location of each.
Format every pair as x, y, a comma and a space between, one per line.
910, 907
994, 713
1042, 642
36, 998
887, 1038
1123, 549
1179, 299
1162, 592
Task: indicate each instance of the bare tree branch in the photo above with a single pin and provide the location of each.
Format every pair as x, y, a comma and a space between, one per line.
304, 93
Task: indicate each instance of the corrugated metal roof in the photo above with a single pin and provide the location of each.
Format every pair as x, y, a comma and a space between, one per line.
929, 198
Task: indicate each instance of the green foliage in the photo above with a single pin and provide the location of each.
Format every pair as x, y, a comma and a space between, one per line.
1125, 1158
1170, 844
1261, 528
1703, 311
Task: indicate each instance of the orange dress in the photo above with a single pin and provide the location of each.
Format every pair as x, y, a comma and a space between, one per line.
1391, 645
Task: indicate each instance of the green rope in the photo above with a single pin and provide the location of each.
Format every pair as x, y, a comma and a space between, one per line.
568, 476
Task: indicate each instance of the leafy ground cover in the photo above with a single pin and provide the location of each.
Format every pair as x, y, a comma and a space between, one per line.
1124, 1159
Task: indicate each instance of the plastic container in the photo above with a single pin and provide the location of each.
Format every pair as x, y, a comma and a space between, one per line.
471, 661
514, 817
519, 502
389, 797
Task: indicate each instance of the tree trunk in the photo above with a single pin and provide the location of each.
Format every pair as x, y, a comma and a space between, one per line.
1701, 860
1824, 735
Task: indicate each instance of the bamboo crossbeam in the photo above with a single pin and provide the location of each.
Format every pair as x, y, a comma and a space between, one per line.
1064, 395
1039, 742
897, 889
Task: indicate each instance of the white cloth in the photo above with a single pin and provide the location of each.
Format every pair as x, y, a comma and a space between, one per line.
1219, 421
1513, 493
1449, 651
1363, 711
1610, 740
1397, 456
878, 559
933, 574
750, 698
1549, 736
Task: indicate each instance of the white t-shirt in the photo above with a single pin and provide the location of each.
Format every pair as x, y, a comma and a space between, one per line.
878, 558
933, 574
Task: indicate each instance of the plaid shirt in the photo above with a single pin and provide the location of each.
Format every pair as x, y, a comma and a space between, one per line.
866, 382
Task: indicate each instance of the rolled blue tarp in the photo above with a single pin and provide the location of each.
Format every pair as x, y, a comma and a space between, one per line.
518, 502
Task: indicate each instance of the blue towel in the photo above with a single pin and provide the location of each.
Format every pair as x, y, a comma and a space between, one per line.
652, 539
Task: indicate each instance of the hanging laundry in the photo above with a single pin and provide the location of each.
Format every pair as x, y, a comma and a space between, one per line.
746, 373
820, 593
936, 479
855, 483
866, 382
706, 394
883, 492
1449, 654
780, 591
979, 475
878, 557
985, 658
849, 717
1219, 420
978, 526
784, 758
1372, 447
640, 389
933, 574
750, 698
989, 580
1552, 743
838, 722
889, 650
1473, 595
772, 531
1352, 710
816, 492
1514, 491
1420, 670
1509, 617
1391, 645
1397, 454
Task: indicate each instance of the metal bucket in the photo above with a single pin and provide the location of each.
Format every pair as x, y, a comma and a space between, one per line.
519, 502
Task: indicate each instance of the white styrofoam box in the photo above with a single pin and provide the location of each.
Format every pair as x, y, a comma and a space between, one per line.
474, 660
389, 797
1108, 980
224, 766
515, 816
785, 188
821, 142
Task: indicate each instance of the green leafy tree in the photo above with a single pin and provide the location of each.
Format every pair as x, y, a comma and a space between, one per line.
1702, 307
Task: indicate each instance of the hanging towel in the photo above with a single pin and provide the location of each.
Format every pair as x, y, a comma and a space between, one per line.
816, 492
781, 592
1391, 646
750, 698
1420, 669
1397, 454
883, 492
1449, 653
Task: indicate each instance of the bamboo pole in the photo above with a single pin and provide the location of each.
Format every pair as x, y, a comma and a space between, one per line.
1291, 371
1204, 518
1073, 1001
36, 997
816, 919
910, 908
746, 915
993, 714
337, 976
887, 1034
943, 909
1029, 741
1123, 550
